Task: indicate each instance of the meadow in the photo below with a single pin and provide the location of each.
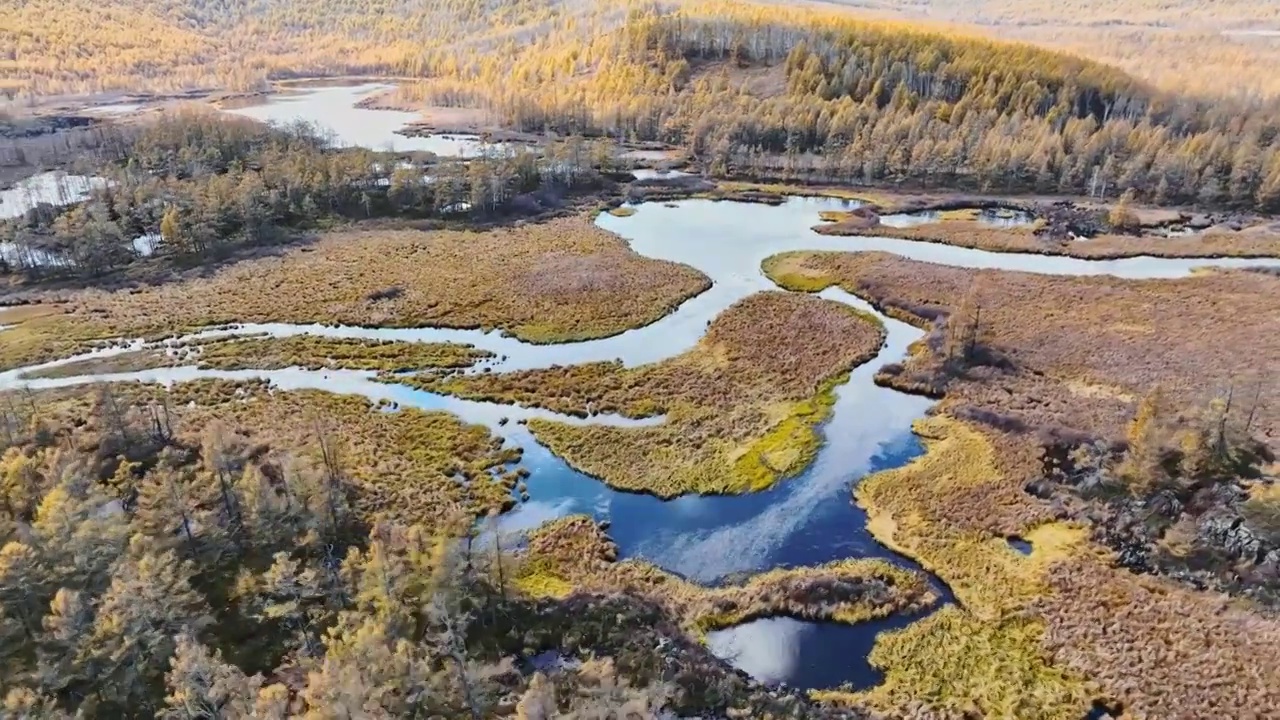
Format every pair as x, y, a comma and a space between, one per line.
741, 408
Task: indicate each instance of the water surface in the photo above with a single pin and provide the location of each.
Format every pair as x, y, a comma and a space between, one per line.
333, 110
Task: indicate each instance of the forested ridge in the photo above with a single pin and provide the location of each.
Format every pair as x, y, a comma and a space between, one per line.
801, 93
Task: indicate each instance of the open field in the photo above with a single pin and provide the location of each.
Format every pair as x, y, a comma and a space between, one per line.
741, 407
574, 555
1072, 352
557, 281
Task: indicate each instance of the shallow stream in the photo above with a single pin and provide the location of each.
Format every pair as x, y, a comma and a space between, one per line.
802, 521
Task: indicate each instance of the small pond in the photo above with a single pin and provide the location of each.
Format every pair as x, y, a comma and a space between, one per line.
333, 110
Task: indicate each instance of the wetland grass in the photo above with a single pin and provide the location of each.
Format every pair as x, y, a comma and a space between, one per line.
959, 229
1062, 351
1042, 635
741, 408
309, 352
557, 281
574, 555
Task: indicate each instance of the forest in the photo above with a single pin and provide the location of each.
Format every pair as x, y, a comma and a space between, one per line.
197, 184
155, 570
769, 91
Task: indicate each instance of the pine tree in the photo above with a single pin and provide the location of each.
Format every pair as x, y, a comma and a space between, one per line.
150, 602
203, 687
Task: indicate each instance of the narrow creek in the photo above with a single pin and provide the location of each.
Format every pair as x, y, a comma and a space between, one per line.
806, 520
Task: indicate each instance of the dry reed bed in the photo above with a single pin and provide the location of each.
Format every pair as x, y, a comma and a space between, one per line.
970, 234
574, 555
1076, 351
314, 353
556, 281
741, 407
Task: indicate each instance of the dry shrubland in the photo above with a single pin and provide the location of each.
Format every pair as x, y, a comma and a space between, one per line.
574, 555
558, 281
408, 465
741, 408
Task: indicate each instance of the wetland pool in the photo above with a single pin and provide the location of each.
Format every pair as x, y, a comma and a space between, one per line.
333, 110
805, 520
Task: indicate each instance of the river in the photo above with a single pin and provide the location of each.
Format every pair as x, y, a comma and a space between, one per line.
806, 520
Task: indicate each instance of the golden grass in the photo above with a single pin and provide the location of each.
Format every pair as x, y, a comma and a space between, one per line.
622, 211
963, 232
792, 190
959, 666
21, 313
557, 281
46, 336
574, 555
742, 407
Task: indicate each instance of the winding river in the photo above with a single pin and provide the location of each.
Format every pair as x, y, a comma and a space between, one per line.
805, 520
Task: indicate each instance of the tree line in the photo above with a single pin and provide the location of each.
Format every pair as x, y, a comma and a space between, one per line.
802, 93
197, 184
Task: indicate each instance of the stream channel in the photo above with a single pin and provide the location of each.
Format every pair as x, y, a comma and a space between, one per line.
805, 520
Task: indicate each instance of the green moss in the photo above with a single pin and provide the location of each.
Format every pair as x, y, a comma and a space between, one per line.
789, 447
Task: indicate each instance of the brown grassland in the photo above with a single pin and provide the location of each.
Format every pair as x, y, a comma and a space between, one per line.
574, 555
1071, 352
1256, 242
556, 281
1044, 634
310, 352
741, 408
